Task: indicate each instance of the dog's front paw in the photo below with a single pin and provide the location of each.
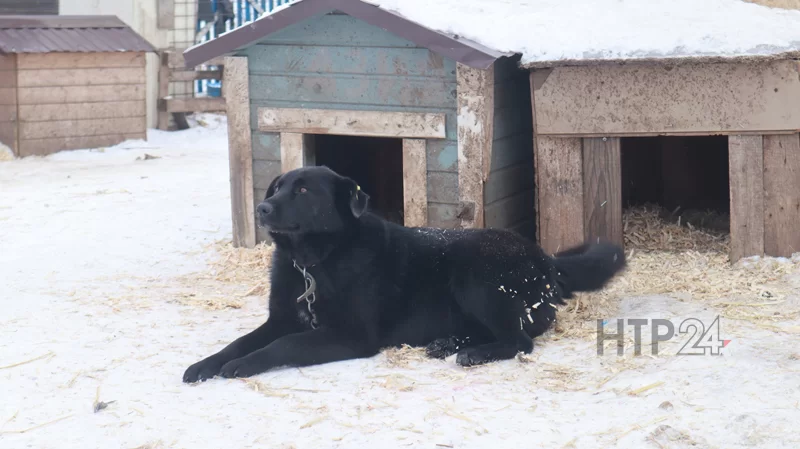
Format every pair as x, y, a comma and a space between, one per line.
441, 348
239, 368
203, 370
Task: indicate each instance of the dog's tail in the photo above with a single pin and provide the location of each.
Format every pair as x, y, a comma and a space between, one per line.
588, 267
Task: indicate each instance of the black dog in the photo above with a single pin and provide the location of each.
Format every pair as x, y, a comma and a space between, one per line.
346, 284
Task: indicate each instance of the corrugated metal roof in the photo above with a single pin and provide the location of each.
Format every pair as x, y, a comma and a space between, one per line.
80, 34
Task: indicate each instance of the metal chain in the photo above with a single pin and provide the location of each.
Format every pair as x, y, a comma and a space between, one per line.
310, 295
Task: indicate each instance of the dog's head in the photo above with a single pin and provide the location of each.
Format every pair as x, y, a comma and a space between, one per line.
311, 200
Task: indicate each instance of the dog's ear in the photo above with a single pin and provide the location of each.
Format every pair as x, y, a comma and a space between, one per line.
271, 188
357, 198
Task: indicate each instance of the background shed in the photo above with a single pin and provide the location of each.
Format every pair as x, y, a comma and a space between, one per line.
70, 82
437, 130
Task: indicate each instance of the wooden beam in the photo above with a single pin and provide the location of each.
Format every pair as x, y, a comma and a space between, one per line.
781, 195
602, 189
176, 61
206, 104
415, 183
352, 123
559, 169
688, 99
746, 173
475, 98
292, 154
240, 151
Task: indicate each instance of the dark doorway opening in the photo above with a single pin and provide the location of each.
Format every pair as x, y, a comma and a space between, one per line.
375, 163
686, 177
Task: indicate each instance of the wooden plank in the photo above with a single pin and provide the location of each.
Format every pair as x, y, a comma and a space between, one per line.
559, 169
624, 100
291, 151
375, 61
207, 104
781, 195
75, 111
264, 172
78, 128
82, 77
81, 94
442, 187
746, 169
42, 147
8, 95
165, 14
352, 123
415, 183
602, 189
266, 146
191, 75
9, 108
240, 151
71, 61
475, 135
443, 215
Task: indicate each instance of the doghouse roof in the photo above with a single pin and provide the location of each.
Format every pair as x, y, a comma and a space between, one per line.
79, 34
550, 33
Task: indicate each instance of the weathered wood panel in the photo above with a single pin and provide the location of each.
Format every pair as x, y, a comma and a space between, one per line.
8, 102
443, 215
240, 152
344, 89
291, 59
686, 99
352, 123
602, 189
42, 147
292, 152
511, 170
442, 187
337, 30
78, 128
475, 135
71, 61
559, 169
81, 94
264, 172
79, 111
81, 77
746, 167
781, 194
336, 62
266, 146
196, 104
442, 155
415, 190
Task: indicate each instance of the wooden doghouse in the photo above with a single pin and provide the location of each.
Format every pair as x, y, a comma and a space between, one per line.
588, 113
70, 82
437, 129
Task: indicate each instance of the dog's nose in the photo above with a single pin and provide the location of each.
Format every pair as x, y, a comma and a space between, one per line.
264, 209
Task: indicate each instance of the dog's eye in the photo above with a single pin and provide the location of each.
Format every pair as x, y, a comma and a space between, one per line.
302, 190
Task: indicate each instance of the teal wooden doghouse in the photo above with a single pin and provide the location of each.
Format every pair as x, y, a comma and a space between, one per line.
437, 129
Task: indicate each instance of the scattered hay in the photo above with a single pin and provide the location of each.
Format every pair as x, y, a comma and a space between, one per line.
668, 259
784, 4
404, 356
5, 153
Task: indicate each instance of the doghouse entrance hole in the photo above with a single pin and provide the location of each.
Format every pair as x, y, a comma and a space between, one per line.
686, 176
375, 163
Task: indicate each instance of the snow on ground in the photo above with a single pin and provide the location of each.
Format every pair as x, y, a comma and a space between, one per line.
554, 30
83, 234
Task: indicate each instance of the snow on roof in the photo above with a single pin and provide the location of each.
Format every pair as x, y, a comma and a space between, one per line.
546, 31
